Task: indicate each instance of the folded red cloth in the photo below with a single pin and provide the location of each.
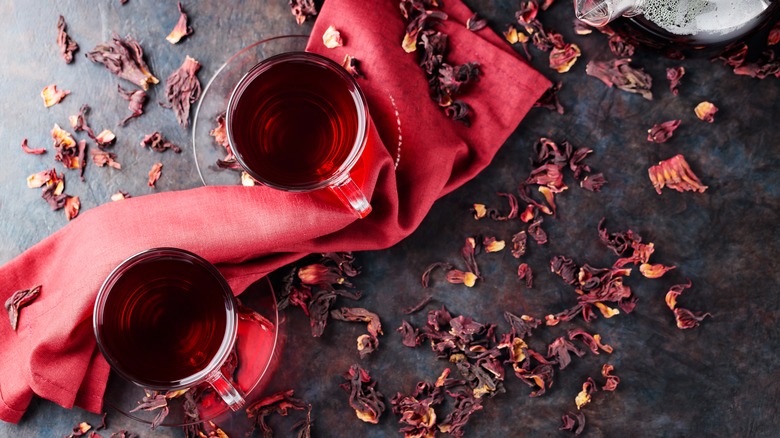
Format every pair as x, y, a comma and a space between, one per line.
248, 232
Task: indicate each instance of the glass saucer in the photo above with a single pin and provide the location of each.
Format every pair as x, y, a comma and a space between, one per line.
257, 356
214, 101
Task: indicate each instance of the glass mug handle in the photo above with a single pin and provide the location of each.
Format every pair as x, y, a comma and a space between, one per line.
230, 395
351, 195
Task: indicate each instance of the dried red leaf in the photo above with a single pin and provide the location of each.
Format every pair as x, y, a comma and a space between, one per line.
367, 402
352, 66
181, 29
158, 143
182, 89
549, 99
621, 74
137, 98
475, 23
706, 111
687, 319
654, 270
72, 206
155, 173
65, 42
28, 150
524, 272
124, 58
573, 422
52, 95
676, 174
331, 38
674, 75
102, 158
19, 300
563, 58
661, 132
303, 9
612, 380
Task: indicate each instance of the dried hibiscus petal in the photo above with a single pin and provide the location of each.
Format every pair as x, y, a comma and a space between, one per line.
52, 95
706, 111
584, 396
524, 272
654, 270
331, 38
522, 326
592, 341
456, 276
158, 143
120, 195
594, 182
65, 42
154, 401
367, 402
72, 206
28, 150
559, 351
137, 98
154, 174
563, 58
475, 23
124, 58
410, 336
182, 88
612, 380
621, 74
620, 47
519, 244
80, 429
774, 35
366, 343
279, 402
550, 99
79, 121
105, 138
676, 174
181, 29
492, 245
48, 177
573, 422
674, 292
102, 158
426, 276
18, 300
674, 75
352, 65
303, 9
661, 132
687, 319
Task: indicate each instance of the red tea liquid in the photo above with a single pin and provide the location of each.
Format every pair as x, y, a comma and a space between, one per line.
163, 321
294, 124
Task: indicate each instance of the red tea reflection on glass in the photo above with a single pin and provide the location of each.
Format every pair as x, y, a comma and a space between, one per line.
295, 124
165, 320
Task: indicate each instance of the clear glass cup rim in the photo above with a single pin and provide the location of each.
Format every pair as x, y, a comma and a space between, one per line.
231, 323
361, 106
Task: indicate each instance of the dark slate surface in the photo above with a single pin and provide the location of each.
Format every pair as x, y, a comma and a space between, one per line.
717, 380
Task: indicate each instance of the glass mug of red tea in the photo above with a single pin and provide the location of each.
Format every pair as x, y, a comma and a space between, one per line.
298, 122
165, 319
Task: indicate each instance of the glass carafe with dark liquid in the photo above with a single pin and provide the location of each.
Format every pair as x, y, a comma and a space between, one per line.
680, 24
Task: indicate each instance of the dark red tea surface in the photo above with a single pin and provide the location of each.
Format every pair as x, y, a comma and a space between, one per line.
164, 321
295, 124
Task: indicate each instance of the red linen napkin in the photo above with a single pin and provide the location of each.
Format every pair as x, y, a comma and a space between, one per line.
248, 232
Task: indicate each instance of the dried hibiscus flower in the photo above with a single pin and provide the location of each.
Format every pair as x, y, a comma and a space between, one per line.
492, 245
563, 57
661, 132
456, 276
52, 96
592, 341
352, 66
584, 397
303, 9
17, 301
687, 319
706, 111
124, 58
331, 38
519, 244
28, 150
137, 98
426, 276
674, 292
158, 143
366, 344
80, 429
102, 158
120, 195
573, 422
72, 206
676, 174
367, 402
524, 272
619, 73
182, 88
279, 403
674, 75
154, 174
612, 380
65, 42
550, 99
654, 270
181, 29
79, 121
48, 177
105, 138
620, 47
475, 23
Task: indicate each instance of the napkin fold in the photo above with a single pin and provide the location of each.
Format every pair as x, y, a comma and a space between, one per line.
248, 232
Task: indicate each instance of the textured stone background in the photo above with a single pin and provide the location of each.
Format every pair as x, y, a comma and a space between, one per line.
717, 380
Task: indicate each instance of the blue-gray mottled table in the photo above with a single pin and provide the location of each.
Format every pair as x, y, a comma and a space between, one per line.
720, 379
